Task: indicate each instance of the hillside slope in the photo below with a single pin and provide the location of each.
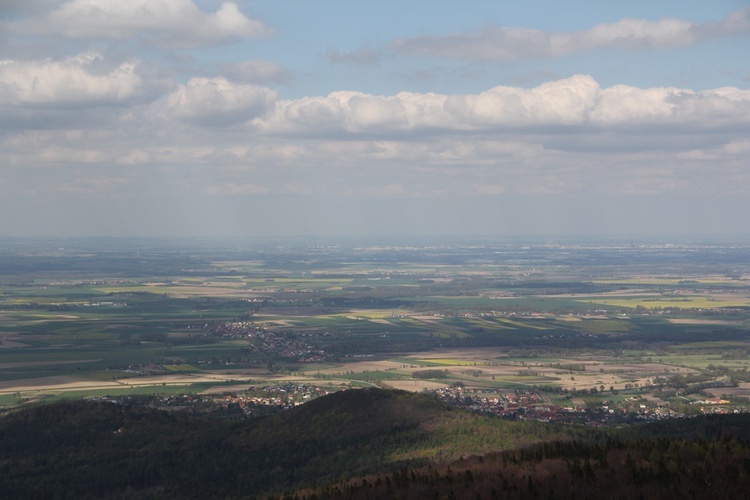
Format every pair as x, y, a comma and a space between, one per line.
76, 449
102, 450
715, 467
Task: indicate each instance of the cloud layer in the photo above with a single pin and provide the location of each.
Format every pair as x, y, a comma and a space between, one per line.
547, 139
502, 44
577, 101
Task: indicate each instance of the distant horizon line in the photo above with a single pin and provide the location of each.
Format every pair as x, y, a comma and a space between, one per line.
535, 237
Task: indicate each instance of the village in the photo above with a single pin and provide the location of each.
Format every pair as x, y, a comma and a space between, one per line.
290, 346
515, 405
534, 405
251, 402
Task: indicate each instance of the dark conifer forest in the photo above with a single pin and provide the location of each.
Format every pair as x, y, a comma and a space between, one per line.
367, 443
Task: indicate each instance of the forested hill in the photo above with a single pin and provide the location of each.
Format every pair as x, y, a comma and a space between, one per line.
623, 469
102, 450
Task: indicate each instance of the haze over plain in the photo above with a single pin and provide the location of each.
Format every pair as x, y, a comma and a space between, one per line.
210, 118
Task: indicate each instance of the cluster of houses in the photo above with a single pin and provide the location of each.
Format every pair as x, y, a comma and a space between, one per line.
254, 401
257, 401
518, 404
530, 405
291, 346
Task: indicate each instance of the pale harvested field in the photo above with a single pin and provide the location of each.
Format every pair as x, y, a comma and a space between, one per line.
483, 354
652, 399
10, 344
653, 369
688, 321
376, 314
361, 366
265, 318
438, 324
65, 383
24, 364
743, 389
8, 341
183, 379
491, 363
381, 321
224, 380
226, 388
414, 385
616, 376
596, 382
185, 291
260, 371
46, 317
61, 383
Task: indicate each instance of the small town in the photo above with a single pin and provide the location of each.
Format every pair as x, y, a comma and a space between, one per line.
515, 405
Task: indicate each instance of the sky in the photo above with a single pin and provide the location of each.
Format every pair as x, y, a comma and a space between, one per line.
205, 118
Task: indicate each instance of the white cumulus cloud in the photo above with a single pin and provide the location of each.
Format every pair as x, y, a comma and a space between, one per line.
75, 80
217, 101
576, 101
561, 102
171, 22
356, 112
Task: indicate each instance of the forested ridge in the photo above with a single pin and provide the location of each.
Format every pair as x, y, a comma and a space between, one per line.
654, 468
367, 443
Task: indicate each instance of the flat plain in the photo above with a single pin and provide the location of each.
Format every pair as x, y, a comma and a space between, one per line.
114, 317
